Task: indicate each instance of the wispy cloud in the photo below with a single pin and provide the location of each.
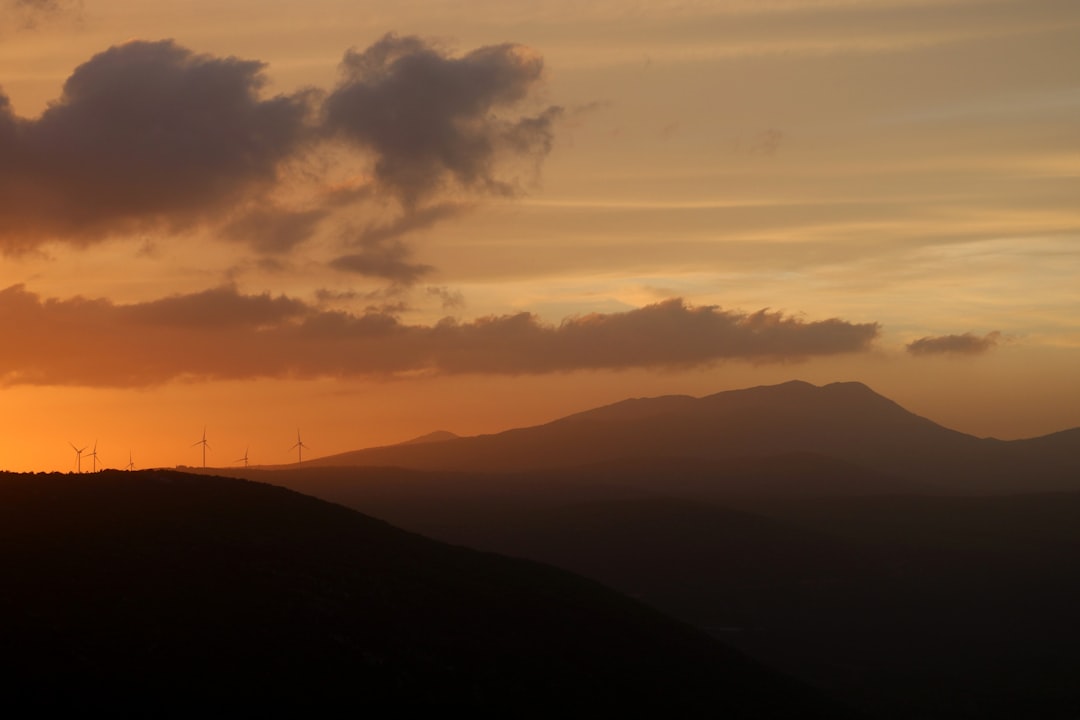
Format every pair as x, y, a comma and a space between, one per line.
30, 14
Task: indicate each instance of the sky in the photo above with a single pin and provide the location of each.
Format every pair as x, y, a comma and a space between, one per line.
366, 221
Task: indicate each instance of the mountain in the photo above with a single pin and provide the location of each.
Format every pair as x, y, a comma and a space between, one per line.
431, 437
844, 421
166, 592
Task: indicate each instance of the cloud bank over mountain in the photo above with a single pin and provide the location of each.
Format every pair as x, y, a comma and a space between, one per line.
224, 334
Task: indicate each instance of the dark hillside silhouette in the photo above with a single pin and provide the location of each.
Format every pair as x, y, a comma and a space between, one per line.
166, 593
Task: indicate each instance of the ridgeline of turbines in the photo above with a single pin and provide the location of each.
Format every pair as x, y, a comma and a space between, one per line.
299, 446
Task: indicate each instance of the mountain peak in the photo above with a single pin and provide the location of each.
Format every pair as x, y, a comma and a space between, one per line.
431, 437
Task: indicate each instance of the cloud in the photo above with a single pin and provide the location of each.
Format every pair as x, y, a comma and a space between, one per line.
384, 254
668, 334
431, 119
966, 344
272, 230
151, 136
223, 334
766, 142
214, 309
386, 259
420, 219
30, 14
143, 133
325, 295
450, 299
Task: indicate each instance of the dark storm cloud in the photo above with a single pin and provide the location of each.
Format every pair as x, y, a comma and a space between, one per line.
966, 344
144, 132
431, 119
220, 333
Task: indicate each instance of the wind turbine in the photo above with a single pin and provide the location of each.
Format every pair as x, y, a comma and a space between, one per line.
299, 448
204, 445
93, 455
78, 456
131, 463
243, 459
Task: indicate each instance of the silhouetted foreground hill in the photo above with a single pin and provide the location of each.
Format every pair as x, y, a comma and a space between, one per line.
164, 593
844, 421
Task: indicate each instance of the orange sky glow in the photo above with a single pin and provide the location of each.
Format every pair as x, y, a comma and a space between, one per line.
372, 220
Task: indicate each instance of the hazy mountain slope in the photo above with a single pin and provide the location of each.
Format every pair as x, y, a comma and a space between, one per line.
432, 501
176, 592
909, 606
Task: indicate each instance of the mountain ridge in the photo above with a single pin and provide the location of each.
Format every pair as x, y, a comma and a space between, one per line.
847, 421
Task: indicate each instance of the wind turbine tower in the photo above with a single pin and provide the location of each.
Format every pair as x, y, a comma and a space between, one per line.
243, 459
299, 448
78, 456
93, 455
204, 444
131, 463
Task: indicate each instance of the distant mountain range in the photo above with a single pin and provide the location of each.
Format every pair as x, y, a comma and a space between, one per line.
845, 422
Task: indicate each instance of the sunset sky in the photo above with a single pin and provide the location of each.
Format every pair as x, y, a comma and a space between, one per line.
372, 220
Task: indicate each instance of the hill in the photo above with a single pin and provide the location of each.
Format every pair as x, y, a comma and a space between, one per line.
166, 592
